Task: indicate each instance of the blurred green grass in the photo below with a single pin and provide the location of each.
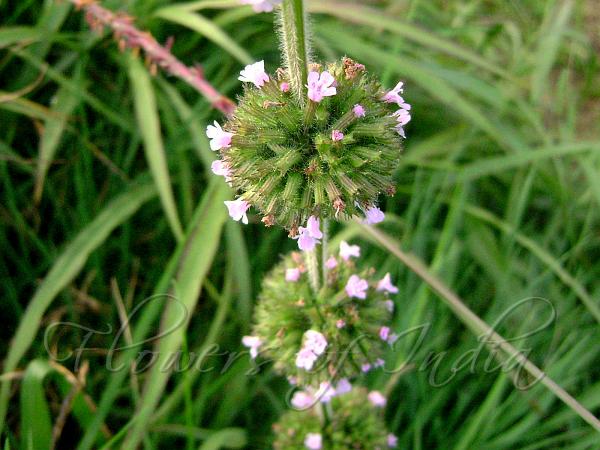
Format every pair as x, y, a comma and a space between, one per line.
498, 191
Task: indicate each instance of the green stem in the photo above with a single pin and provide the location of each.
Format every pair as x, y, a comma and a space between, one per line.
324, 250
294, 43
312, 266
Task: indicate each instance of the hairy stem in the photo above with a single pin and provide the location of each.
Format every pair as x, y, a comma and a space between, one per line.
312, 265
294, 45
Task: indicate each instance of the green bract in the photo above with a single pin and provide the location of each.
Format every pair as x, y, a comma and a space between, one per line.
354, 424
287, 310
285, 163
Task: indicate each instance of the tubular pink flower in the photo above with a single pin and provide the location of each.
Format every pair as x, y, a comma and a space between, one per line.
347, 251
312, 225
285, 87
218, 138
393, 96
306, 242
302, 400
292, 275
331, 263
237, 210
378, 363
315, 342
308, 237
374, 215
377, 399
313, 441
365, 367
254, 73
253, 343
221, 168
357, 287
384, 333
305, 359
341, 323
359, 111
392, 440
337, 135
385, 285
392, 338
320, 86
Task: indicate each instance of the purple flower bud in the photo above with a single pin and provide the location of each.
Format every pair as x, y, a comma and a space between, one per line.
337, 135
359, 111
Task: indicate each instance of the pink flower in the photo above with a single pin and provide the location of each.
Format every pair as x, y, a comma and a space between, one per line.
313, 441
341, 323
237, 210
378, 362
347, 251
393, 96
389, 305
374, 215
254, 73
302, 400
315, 342
337, 135
285, 87
309, 237
365, 367
403, 117
377, 399
385, 284
384, 333
392, 338
261, 5
305, 359
331, 263
312, 225
392, 440
343, 387
320, 85
292, 275
359, 111
357, 287
253, 343
326, 392
221, 168
218, 138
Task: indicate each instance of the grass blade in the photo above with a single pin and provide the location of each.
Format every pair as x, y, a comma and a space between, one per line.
207, 29
478, 326
201, 247
378, 20
36, 425
63, 105
148, 121
65, 269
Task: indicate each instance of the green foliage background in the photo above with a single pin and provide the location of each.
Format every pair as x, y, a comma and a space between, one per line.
107, 199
